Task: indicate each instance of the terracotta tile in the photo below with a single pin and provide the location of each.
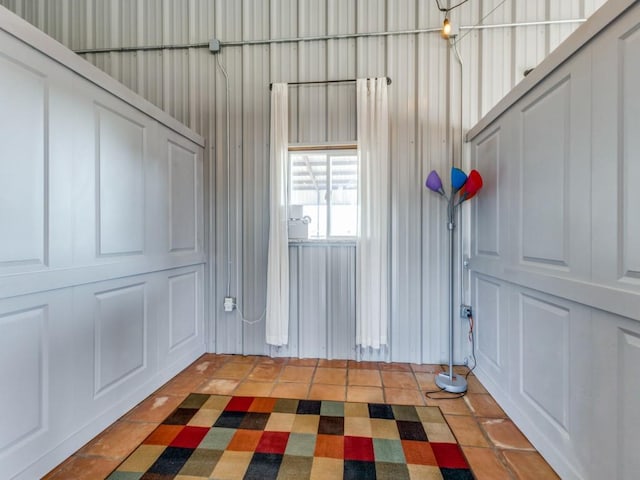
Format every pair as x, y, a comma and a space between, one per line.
474, 385
273, 360
233, 370
398, 380
331, 376
244, 359
455, 406
394, 367
504, 434
264, 372
254, 389
183, 384
427, 381
84, 468
327, 392
403, 396
206, 364
290, 390
154, 409
355, 365
483, 405
333, 363
364, 377
529, 465
467, 430
485, 464
426, 368
303, 362
296, 374
218, 386
364, 394
459, 369
119, 440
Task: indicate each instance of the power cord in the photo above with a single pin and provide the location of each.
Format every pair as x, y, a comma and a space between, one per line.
249, 321
443, 394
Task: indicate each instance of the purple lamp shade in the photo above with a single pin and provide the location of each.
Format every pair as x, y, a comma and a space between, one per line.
434, 183
458, 178
472, 186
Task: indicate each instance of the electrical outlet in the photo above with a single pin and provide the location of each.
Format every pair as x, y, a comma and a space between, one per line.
229, 304
465, 311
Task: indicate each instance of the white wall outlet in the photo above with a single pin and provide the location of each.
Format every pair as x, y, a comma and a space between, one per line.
229, 304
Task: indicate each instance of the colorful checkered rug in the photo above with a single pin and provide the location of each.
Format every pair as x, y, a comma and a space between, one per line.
223, 437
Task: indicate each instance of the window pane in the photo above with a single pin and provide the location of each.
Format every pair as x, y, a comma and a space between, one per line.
323, 186
344, 195
308, 189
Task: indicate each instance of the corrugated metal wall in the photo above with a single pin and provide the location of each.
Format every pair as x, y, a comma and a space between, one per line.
424, 100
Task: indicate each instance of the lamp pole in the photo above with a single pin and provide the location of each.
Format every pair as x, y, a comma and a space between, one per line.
449, 381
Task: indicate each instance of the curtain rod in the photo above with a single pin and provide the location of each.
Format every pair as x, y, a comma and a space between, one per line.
321, 82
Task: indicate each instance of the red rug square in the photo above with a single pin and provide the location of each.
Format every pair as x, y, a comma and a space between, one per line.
239, 404
358, 448
273, 442
448, 455
190, 437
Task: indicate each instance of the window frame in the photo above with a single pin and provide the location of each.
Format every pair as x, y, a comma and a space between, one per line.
348, 149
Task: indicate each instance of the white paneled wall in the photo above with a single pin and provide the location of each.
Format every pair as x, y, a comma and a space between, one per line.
555, 249
102, 251
423, 102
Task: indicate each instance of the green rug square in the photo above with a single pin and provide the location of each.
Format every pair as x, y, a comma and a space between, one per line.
332, 409
301, 445
388, 450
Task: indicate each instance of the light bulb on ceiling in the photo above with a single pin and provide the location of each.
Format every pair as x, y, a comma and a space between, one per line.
446, 28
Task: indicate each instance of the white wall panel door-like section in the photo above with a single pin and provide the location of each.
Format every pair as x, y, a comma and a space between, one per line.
183, 314
629, 78
615, 157
545, 170
23, 339
120, 335
121, 151
544, 336
183, 182
102, 250
23, 173
554, 169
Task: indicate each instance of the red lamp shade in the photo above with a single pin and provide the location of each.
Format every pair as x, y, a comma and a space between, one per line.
471, 186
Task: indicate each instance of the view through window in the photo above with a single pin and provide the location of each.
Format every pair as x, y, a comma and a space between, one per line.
323, 193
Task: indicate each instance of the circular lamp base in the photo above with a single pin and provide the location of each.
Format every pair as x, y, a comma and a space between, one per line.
453, 384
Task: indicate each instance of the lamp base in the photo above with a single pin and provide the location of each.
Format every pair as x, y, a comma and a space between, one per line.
453, 384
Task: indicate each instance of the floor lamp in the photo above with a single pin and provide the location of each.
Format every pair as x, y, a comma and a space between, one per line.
467, 187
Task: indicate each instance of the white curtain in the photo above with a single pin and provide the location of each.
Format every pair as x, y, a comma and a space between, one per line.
372, 251
277, 316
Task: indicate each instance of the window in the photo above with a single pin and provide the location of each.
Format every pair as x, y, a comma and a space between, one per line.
323, 193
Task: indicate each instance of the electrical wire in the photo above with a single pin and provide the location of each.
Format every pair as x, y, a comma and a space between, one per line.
249, 321
481, 20
447, 10
228, 127
229, 260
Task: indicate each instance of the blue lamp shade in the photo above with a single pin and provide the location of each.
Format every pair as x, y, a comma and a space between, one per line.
458, 178
434, 183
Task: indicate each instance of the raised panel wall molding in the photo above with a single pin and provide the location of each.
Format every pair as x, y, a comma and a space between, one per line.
24, 170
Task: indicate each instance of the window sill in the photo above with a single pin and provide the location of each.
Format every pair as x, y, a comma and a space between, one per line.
323, 242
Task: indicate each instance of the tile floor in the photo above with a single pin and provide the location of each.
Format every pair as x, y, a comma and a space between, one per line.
493, 445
